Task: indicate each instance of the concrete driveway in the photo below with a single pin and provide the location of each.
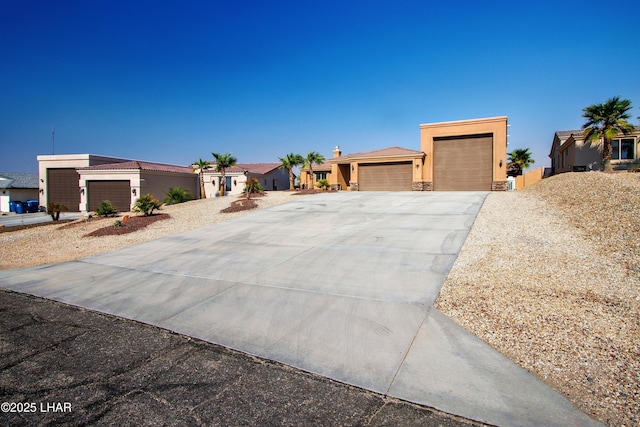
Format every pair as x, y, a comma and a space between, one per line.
338, 284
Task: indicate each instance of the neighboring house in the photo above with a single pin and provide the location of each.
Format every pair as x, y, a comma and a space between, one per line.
17, 187
269, 175
124, 182
570, 153
82, 181
465, 155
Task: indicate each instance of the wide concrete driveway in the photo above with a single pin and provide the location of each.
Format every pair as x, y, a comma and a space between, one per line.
339, 284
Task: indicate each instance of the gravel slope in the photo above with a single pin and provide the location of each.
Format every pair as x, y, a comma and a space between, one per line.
550, 277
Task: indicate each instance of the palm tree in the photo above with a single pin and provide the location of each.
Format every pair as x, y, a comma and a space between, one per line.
223, 161
289, 162
604, 122
520, 159
201, 166
312, 158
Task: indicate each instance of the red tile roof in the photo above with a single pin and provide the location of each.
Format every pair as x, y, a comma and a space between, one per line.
384, 152
257, 168
139, 165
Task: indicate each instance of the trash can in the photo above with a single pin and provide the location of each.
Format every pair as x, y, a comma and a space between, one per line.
32, 206
18, 206
12, 206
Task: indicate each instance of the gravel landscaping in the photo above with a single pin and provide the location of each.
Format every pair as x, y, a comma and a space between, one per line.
550, 277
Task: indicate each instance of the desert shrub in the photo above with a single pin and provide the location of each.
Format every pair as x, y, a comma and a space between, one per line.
146, 204
106, 208
323, 184
252, 186
177, 195
54, 210
118, 223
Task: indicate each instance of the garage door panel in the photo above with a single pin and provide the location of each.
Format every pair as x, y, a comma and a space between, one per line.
463, 164
117, 192
63, 188
385, 176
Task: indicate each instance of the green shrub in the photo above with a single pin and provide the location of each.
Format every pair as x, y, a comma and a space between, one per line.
118, 223
177, 195
146, 204
106, 208
323, 184
54, 210
252, 186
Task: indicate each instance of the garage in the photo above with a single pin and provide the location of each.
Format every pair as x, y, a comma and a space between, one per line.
63, 188
463, 163
118, 192
396, 176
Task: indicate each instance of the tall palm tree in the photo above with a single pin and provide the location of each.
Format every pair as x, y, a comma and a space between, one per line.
312, 158
604, 122
223, 162
201, 166
289, 162
520, 159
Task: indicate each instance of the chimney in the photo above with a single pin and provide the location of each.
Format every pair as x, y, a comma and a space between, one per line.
337, 152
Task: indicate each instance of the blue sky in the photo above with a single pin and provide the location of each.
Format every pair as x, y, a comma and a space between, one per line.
173, 81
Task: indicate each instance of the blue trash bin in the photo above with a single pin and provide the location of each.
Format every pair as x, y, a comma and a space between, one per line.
19, 209
12, 206
32, 206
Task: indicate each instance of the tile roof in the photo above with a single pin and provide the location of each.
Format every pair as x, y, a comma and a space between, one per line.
384, 152
18, 180
257, 168
140, 165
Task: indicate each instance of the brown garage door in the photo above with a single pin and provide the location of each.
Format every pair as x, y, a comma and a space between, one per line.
63, 188
463, 163
118, 192
385, 176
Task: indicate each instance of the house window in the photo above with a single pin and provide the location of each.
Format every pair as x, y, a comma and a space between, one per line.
227, 183
622, 149
320, 175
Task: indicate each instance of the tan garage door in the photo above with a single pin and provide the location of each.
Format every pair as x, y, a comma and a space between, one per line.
385, 176
63, 188
463, 163
118, 192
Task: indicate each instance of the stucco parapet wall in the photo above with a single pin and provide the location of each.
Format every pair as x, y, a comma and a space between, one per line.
458, 123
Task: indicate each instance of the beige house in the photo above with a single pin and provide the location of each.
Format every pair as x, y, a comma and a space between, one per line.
17, 187
465, 155
269, 175
570, 153
82, 181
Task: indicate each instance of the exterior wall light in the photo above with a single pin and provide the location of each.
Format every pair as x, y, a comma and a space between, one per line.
82, 191
500, 162
133, 191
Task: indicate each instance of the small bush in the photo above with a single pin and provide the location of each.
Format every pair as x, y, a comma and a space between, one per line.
54, 210
252, 186
106, 208
177, 195
323, 184
146, 204
118, 223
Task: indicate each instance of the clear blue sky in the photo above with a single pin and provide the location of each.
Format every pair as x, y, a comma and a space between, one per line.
173, 81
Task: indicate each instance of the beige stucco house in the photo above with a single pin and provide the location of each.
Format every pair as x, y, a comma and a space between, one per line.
464, 155
82, 181
570, 153
269, 175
